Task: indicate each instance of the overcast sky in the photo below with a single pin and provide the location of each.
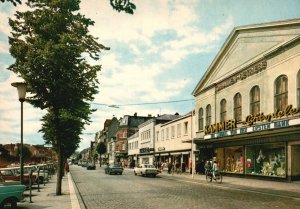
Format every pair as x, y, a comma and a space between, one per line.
157, 55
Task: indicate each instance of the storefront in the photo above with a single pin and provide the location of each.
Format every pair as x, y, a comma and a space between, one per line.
269, 149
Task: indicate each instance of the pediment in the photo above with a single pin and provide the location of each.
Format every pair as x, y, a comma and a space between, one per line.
244, 47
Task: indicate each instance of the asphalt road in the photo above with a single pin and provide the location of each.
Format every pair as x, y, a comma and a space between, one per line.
100, 190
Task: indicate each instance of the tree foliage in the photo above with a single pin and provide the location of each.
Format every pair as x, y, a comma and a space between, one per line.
101, 148
123, 6
14, 2
26, 152
49, 43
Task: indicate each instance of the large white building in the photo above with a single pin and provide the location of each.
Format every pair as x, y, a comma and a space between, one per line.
247, 102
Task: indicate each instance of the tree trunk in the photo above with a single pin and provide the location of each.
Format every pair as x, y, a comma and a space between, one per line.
59, 169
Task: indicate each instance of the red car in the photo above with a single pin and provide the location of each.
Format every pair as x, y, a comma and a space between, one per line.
13, 174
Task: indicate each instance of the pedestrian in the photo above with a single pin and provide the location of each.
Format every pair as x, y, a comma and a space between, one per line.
183, 167
191, 167
177, 166
66, 166
215, 169
170, 167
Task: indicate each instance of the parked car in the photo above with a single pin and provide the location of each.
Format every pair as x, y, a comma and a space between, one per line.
146, 170
114, 169
39, 171
11, 194
13, 174
91, 166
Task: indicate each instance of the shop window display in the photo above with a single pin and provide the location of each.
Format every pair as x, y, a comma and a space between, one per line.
231, 159
234, 159
267, 160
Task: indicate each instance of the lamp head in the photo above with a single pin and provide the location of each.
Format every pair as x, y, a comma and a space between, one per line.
21, 87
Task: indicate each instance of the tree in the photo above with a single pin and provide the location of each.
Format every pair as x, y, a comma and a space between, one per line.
26, 152
49, 44
41, 37
15, 2
101, 149
79, 156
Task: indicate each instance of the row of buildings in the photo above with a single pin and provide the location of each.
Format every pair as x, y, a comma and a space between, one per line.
33, 154
246, 114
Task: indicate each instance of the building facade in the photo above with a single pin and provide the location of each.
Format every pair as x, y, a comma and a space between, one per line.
173, 141
247, 102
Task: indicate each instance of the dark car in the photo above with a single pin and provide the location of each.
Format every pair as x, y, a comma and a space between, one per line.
114, 169
91, 166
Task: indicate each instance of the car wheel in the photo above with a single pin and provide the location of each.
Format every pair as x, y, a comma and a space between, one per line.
11, 201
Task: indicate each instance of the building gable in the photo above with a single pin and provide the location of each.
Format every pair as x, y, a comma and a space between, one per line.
247, 45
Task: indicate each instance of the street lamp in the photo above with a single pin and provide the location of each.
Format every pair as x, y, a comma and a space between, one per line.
21, 87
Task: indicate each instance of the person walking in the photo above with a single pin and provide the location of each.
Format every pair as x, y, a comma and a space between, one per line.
67, 168
183, 167
215, 169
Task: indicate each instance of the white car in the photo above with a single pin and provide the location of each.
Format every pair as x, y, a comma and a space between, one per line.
146, 170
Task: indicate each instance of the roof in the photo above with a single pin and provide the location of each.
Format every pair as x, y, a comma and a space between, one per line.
247, 45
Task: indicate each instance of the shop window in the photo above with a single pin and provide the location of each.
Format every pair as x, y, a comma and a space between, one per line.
266, 160
281, 93
200, 122
237, 109
298, 89
208, 115
223, 111
230, 159
255, 100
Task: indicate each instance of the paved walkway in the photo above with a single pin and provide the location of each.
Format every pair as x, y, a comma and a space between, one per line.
46, 198
291, 189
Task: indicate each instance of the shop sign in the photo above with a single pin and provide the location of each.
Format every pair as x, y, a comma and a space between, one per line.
161, 148
146, 150
260, 117
276, 124
222, 126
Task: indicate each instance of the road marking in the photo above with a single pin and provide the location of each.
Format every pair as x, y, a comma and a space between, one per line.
73, 196
238, 189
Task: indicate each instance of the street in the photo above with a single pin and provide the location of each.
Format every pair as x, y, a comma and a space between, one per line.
99, 190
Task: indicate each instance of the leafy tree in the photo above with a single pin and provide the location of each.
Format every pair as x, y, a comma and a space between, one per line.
48, 44
101, 149
123, 5
15, 2
26, 152
4, 152
79, 156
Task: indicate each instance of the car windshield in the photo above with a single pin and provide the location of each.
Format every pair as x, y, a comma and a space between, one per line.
149, 166
115, 165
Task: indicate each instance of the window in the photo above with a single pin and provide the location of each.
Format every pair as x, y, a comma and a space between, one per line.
162, 134
186, 128
281, 93
200, 122
157, 135
298, 89
237, 109
178, 130
223, 110
167, 133
255, 100
208, 115
172, 132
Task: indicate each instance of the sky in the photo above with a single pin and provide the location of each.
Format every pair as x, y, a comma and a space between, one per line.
157, 55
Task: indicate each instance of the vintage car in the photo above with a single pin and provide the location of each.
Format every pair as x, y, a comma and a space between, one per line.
39, 171
11, 194
13, 174
91, 166
146, 170
114, 169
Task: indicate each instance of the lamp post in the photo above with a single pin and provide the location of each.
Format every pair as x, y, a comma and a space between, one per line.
21, 87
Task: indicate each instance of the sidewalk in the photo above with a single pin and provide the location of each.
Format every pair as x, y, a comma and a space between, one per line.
47, 199
265, 186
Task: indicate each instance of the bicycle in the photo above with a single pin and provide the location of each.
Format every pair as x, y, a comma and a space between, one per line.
209, 176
